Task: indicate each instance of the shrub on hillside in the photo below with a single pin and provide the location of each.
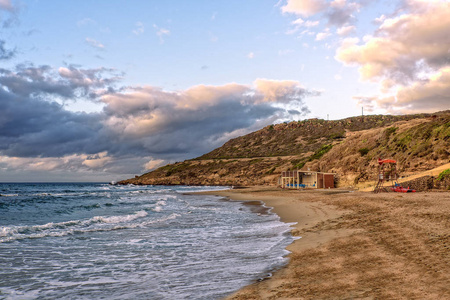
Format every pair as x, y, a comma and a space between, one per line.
389, 131
444, 174
363, 151
319, 153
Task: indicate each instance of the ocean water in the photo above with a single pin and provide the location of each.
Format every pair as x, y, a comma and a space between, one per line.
99, 241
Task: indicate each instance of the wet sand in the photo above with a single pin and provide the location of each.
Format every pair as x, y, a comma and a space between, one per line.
357, 245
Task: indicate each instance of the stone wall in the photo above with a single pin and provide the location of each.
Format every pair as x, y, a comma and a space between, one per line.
420, 184
427, 183
442, 184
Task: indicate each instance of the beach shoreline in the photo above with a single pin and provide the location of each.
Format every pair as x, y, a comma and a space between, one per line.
356, 245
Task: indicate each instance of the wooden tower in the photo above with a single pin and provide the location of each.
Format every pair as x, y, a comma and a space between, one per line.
387, 171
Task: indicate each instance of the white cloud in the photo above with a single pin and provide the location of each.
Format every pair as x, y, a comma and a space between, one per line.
338, 3
147, 110
310, 24
421, 96
154, 163
95, 44
282, 91
380, 19
298, 22
322, 35
402, 42
139, 28
97, 161
66, 162
161, 32
304, 7
345, 30
408, 55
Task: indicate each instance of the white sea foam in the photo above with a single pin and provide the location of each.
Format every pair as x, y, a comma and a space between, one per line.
118, 219
70, 227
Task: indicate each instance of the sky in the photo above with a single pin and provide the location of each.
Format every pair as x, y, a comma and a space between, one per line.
105, 90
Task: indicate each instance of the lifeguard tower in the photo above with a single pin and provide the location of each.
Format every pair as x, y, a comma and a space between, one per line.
387, 171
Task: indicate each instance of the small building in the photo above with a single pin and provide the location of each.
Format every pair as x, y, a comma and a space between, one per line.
306, 179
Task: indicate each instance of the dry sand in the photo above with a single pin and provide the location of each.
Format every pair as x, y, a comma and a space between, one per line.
358, 245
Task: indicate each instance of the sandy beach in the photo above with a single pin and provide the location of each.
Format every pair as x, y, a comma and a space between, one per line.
357, 245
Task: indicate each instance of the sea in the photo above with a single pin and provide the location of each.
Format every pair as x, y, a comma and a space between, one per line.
102, 241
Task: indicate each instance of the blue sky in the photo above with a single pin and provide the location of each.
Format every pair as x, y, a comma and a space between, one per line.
104, 90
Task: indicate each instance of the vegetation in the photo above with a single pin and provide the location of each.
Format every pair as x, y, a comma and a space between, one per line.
319, 153
363, 151
389, 131
443, 175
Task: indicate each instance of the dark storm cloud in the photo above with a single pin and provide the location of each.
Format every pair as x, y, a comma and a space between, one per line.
140, 122
38, 128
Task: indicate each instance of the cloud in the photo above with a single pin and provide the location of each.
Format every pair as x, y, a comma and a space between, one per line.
428, 96
154, 163
65, 83
139, 127
161, 32
281, 91
95, 44
139, 28
194, 120
12, 12
33, 127
299, 23
409, 54
97, 161
346, 30
6, 5
6, 54
402, 45
322, 35
304, 7
89, 80
337, 12
341, 12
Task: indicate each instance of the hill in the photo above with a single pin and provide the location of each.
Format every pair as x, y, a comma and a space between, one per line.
348, 147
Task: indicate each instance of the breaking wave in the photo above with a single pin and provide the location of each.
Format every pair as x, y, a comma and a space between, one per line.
97, 223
